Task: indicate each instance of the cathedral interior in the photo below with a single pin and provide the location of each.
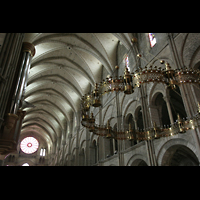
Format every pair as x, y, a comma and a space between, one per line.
99, 99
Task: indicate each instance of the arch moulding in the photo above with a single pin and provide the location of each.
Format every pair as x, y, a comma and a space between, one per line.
177, 141
136, 157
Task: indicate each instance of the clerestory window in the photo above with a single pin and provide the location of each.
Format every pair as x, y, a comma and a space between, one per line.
152, 39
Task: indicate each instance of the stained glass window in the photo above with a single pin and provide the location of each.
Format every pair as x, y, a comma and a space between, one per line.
29, 145
152, 39
127, 62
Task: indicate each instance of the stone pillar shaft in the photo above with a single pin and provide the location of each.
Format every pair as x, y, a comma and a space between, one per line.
169, 109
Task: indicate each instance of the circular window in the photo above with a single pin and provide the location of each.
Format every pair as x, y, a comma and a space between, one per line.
29, 145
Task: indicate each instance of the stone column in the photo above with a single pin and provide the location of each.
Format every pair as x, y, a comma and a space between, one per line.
53, 151
169, 109
87, 149
153, 152
119, 128
191, 110
145, 113
69, 149
113, 145
77, 115
155, 114
63, 152
147, 124
136, 127
58, 142
188, 97
148, 153
102, 141
173, 50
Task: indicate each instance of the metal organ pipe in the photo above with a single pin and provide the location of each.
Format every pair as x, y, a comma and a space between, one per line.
7, 51
22, 82
28, 51
8, 61
18, 84
13, 70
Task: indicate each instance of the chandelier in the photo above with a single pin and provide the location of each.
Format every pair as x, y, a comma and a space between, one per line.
127, 83
180, 76
111, 85
96, 97
148, 75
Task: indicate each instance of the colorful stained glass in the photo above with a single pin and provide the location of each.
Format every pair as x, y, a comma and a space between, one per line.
152, 39
29, 145
127, 62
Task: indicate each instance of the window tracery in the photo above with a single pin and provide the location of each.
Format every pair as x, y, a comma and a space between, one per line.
29, 145
152, 39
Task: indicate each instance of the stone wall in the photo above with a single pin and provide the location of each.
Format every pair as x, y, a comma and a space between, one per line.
128, 104
84, 148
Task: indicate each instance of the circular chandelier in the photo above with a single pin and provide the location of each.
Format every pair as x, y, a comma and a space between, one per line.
127, 83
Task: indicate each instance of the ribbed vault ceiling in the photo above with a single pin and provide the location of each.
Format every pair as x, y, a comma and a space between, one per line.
62, 70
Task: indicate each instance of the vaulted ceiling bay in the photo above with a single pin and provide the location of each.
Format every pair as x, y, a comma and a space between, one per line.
64, 68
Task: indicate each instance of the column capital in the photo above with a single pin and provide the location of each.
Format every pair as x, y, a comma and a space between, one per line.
28, 47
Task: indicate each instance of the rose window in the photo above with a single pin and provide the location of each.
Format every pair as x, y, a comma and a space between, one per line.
29, 145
